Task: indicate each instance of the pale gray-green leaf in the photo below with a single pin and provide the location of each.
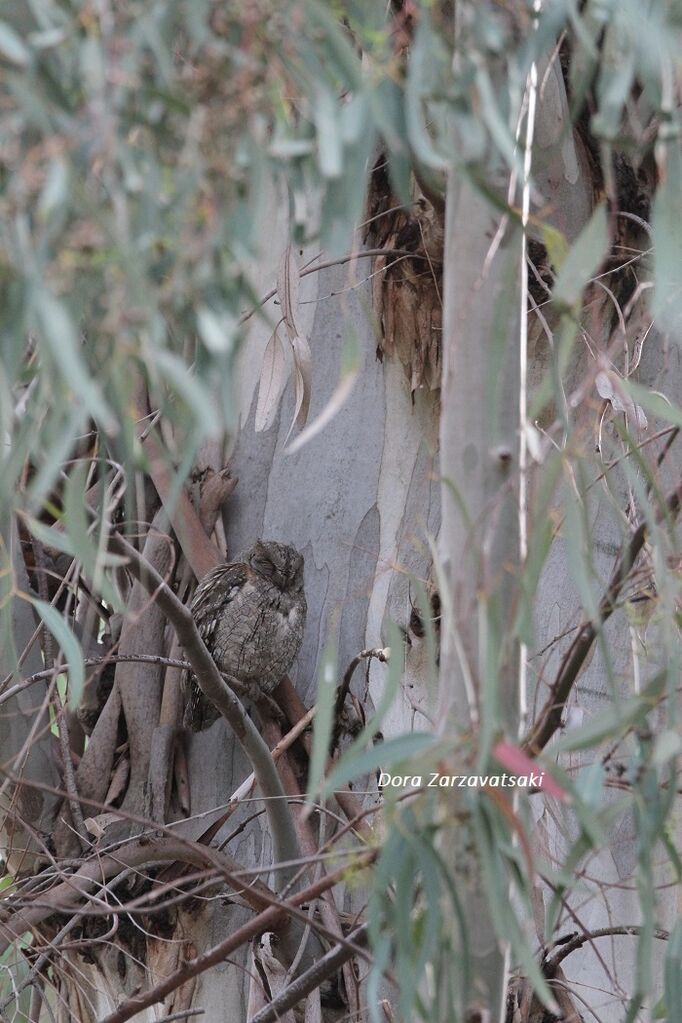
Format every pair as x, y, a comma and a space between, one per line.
70, 646
583, 258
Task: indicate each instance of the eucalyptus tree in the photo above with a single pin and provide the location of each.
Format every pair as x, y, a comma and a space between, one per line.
397, 285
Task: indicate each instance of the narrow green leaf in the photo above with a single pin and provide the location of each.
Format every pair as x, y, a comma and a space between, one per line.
556, 244
324, 716
191, 390
614, 720
329, 145
78, 527
384, 755
69, 645
217, 330
61, 337
12, 46
583, 259
50, 537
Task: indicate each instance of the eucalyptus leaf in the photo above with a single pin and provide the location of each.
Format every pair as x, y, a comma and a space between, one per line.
673, 974
12, 46
583, 258
324, 717
69, 645
667, 239
356, 762
60, 335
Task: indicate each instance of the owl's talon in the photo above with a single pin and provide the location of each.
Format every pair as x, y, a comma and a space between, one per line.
271, 707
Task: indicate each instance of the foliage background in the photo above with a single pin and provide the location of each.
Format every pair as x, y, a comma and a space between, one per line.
152, 155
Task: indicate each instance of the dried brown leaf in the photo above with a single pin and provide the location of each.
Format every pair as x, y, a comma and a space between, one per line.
338, 398
288, 280
610, 388
302, 380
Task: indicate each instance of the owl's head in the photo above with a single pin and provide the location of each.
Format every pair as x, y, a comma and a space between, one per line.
281, 564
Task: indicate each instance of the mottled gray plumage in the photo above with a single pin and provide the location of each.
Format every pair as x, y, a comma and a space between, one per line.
251, 616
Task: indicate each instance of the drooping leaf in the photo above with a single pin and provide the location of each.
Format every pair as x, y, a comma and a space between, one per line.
583, 259
349, 374
667, 238
288, 282
60, 335
273, 379
217, 330
329, 144
303, 371
12, 46
70, 646
610, 387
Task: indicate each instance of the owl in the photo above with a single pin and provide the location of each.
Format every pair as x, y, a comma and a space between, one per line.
251, 616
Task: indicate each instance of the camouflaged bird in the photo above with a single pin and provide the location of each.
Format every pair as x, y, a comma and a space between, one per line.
251, 616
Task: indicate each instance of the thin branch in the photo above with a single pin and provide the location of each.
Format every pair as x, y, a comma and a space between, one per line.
142, 853
378, 653
95, 662
367, 253
184, 1014
551, 963
269, 920
247, 786
549, 718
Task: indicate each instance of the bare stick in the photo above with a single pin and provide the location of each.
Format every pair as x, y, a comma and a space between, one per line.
551, 964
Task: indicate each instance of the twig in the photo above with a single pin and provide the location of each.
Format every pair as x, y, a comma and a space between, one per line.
549, 718
268, 920
552, 963
367, 253
378, 653
74, 888
184, 1014
93, 662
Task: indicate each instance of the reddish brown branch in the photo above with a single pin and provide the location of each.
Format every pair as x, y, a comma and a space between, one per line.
200, 551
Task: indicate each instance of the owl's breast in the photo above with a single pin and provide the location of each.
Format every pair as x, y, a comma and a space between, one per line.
259, 633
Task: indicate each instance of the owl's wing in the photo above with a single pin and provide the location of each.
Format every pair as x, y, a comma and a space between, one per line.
214, 592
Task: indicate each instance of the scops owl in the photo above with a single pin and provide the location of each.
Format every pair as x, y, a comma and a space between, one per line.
251, 616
